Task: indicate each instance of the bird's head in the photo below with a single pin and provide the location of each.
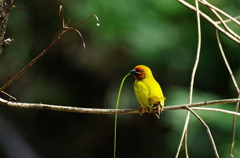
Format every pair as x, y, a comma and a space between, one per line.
140, 72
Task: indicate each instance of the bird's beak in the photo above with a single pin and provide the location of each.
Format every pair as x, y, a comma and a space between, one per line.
133, 71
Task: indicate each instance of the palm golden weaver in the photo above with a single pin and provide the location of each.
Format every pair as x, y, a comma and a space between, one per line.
147, 89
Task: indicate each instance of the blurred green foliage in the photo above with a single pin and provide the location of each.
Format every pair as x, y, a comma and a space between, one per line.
160, 34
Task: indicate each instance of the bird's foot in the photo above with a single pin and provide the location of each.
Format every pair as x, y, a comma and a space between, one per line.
141, 110
159, 110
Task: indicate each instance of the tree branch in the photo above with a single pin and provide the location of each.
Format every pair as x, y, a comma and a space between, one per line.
210, 20
33, 61
184, 133
106, 111
5, 7
208, 131
237, 89
217, 110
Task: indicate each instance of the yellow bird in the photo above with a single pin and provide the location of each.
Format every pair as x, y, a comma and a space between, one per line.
147, 89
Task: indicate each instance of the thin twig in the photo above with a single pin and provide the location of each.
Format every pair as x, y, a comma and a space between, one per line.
77, 109
198, 53
66, 27
29, 65
228, 20
209, 5
217, 110
10, 96
192, 82
234, 126
183, 134
185, 143
211, 21
237, 89
226, 62
224, 24
80, 35
208, 131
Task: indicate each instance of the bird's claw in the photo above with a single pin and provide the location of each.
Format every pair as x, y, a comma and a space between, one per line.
141, 110
159, 110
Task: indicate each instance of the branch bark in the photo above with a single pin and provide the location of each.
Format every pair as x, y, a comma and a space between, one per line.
5, 7
76, 109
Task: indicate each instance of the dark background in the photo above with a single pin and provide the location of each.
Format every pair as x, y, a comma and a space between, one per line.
159, 34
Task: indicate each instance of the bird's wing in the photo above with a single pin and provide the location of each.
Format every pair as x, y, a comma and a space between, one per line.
142, 93
156, 99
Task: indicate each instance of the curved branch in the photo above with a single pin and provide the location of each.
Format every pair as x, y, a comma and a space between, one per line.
210, 20
208, 131
106, 111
